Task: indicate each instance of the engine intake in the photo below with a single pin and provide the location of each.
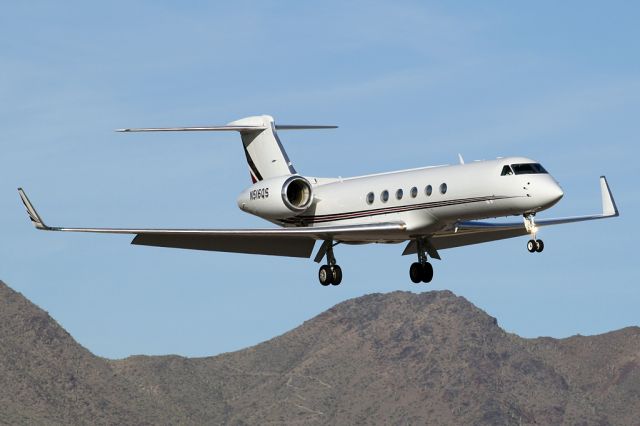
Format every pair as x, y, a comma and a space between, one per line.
297, 193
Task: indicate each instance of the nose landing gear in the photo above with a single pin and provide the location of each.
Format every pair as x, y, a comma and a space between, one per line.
533, 245
422, 270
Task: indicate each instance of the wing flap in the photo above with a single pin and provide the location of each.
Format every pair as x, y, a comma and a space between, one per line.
291, 242
251, 244
465, 237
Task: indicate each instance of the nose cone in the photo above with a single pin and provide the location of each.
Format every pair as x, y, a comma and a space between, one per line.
553, 194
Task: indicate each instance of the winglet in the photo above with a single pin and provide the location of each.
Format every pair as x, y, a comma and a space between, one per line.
609, 207
33, 214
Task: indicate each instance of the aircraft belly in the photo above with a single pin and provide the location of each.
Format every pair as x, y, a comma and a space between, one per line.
422, 221
373, 237
479, 209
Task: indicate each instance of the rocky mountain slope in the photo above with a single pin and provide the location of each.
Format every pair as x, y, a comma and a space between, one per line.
397, 358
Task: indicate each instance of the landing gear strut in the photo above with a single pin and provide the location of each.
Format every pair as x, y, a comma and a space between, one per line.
421, 271
533, 245
330, 273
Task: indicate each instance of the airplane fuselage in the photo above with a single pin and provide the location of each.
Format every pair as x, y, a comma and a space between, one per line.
425, 200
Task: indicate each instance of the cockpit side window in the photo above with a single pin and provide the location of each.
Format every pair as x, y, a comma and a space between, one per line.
506, 171
528, 169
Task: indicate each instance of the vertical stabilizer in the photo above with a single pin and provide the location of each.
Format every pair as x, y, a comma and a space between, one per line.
265, 154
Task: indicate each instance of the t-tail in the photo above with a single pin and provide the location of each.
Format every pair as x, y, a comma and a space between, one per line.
265, 154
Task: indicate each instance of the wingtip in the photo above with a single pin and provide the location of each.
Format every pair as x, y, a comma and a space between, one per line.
31, 211
609, 207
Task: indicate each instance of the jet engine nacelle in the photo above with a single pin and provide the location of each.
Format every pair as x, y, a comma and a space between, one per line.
277, 198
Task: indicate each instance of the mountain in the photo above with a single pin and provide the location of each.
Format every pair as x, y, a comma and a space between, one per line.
397, 358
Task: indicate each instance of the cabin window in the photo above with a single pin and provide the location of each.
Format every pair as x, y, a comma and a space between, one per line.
384, 196
528, 169
414, 192
506, 171
399, 194
428, 190
370, 198
443, 188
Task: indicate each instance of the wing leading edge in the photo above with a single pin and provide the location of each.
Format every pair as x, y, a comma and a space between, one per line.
292, 242
475, 232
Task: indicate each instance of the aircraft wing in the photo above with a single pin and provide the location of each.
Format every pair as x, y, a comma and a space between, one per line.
476, 232
293, 242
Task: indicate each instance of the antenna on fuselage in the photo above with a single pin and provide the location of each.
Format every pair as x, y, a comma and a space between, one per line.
460, 158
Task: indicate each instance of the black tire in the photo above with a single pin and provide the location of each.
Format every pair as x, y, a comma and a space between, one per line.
531, 246
415, 272
336, 275
539, 246
427, 273
325, 276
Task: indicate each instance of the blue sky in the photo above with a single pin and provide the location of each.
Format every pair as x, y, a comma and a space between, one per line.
409, 83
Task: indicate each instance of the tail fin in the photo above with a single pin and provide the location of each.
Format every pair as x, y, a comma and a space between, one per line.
265, 154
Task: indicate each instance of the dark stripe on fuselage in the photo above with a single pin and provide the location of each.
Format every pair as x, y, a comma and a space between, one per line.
387, 210
252, 166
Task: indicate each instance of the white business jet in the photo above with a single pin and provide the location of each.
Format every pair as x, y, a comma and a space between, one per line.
430, 208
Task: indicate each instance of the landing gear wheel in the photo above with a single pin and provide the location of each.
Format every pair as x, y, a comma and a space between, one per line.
415, 272
325, 275
532, 246
427, 273
539, 246
336, 275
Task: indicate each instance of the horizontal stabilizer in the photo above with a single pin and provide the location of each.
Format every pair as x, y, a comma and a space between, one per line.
197, 129
227, 128
303, 127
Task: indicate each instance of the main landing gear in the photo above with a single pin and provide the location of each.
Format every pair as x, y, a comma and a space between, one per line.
533, 245
422, 270
330, 273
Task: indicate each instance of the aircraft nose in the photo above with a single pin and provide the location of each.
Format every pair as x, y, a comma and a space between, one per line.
555, 193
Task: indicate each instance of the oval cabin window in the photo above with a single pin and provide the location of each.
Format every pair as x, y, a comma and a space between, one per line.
370, 198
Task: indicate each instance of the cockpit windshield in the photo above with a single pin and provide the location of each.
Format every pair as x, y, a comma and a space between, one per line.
528, 169
506, 171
